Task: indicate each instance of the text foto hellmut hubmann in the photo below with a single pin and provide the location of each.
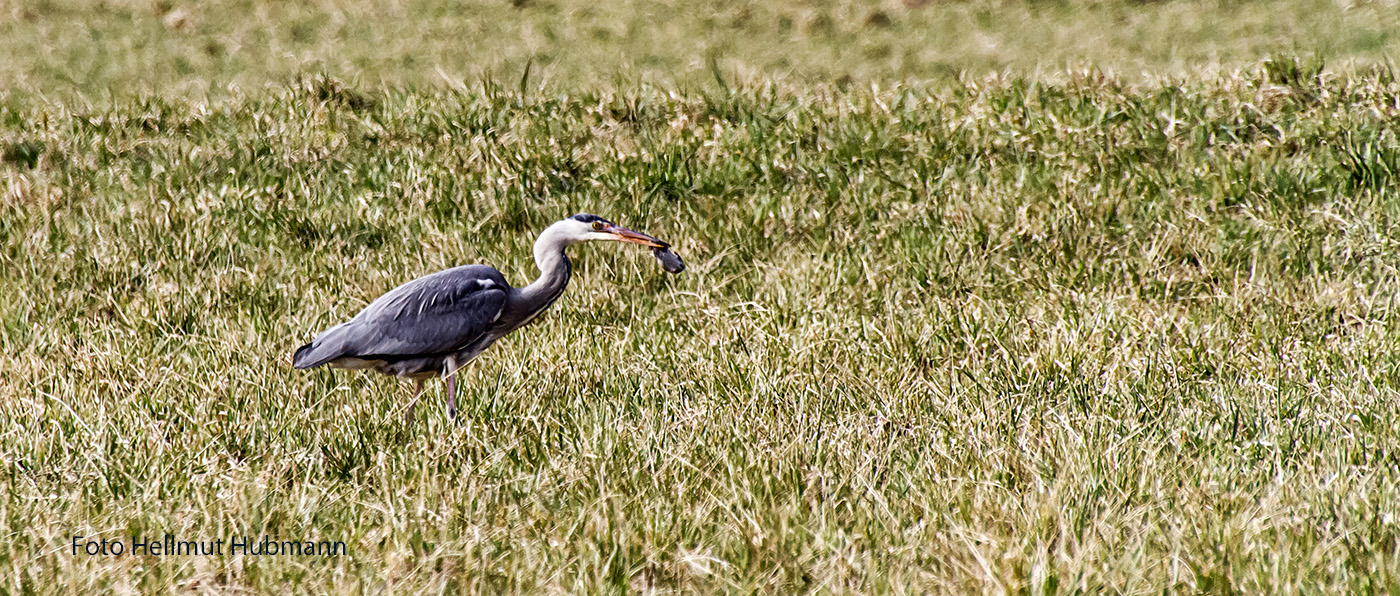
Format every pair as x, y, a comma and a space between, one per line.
236, 545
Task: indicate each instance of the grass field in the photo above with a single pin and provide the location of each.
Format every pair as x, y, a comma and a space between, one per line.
1027, 331
223, 48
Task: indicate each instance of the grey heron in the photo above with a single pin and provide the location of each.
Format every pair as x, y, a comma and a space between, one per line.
437, 323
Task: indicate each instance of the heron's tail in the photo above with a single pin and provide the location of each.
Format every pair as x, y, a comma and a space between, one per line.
327, 346
302, 357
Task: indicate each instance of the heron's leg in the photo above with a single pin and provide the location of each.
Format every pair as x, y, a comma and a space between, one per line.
451, 366
413, 404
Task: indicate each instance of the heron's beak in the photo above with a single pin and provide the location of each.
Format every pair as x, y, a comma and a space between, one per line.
626, 235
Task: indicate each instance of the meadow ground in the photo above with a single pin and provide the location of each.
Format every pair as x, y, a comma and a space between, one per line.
97, 48
1042, 334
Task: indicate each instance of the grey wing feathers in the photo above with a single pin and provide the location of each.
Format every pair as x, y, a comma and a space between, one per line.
434, 314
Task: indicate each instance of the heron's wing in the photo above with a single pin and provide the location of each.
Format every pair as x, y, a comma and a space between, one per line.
434, 314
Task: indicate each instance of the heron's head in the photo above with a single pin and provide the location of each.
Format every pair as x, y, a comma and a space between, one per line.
585, 226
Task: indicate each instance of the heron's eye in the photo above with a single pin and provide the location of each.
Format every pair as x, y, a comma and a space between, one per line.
597, 225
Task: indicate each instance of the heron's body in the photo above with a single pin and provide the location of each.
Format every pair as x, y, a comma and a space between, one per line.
413, 329
437, 323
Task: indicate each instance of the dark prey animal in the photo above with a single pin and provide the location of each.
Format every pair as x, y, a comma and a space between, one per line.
437, 323
669, 261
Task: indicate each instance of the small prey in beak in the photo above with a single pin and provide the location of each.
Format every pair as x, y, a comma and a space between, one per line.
669, 261
602, 229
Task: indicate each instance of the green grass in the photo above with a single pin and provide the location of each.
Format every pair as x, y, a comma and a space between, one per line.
1055, 335
221, 48
1042, 297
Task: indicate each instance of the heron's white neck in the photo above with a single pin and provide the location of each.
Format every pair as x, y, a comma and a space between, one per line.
553, 264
